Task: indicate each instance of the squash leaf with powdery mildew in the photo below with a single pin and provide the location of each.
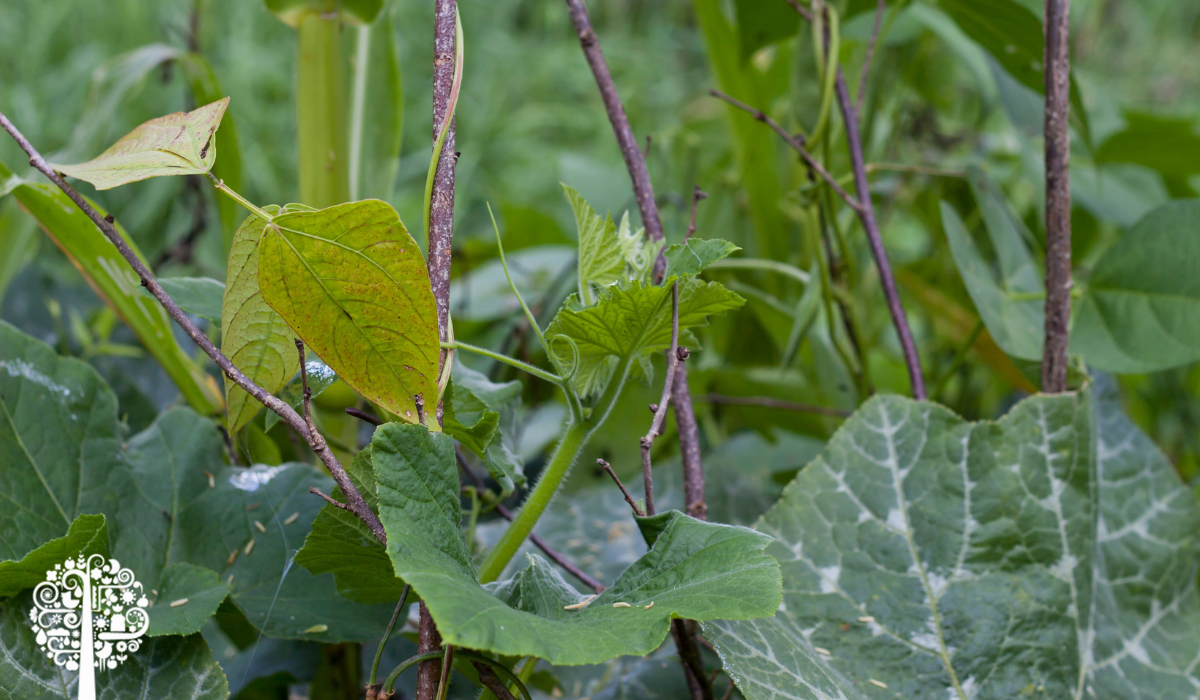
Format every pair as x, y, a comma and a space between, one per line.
254, 337
928, 557
695, 570
351, 282
182, 143
630, 322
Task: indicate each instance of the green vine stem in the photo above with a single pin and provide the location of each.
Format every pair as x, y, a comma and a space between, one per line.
575, 437
322, 150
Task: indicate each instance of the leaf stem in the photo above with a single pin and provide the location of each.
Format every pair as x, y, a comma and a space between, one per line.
220, 185
387, 635
512, 362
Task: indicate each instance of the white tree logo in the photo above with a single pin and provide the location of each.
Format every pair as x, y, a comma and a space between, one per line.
88, 615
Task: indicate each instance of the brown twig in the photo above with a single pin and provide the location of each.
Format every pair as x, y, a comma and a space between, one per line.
801, 9
866, 69
635, 160
364, 416
540, 543
697, 196
441, 237
328, 499
768, 402
354, 499
866, 214
1058, 196
689, 653
624, 491
660, 414
796, 145
305, 393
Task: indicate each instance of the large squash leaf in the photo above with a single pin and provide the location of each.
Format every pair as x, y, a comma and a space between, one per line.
627, 322
928, 557
925, 557
182, 143
254, 337
693, 569
351, 282
170, 668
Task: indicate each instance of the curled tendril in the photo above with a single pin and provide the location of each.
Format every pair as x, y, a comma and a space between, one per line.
575, 356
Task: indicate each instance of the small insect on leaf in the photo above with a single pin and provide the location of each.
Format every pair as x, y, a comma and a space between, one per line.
317, 629
249, 547
292, 518
622, 605
182, 143
260, 526
177, 603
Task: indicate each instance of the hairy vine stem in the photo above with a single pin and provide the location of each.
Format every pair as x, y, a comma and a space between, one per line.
1058, 195
635, 162
354, 500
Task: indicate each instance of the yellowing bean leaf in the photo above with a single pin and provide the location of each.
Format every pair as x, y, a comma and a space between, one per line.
182, 143
351, 282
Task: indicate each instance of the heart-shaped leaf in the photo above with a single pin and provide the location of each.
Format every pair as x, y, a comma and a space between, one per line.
351, 282
182, 143
253, 336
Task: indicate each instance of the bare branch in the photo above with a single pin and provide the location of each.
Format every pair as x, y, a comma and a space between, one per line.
328, 499
768, 402
796, 145
801, 9
660, 413
540, 543
355, 500
866, 69
866, 214
1058, 195
624, 491
364, 416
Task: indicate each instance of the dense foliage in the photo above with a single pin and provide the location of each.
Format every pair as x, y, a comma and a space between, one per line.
258, 207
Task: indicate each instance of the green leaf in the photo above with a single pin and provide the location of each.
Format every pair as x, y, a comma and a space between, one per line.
481, 415
696, 254
206, 88
166, 668
1141, 308
18, 241
87, 535
629, 322
176, 144
1147, 619
1013, 321
932, 555
600, 260
341, 544
254, 337
59, 439
351, 282
115, 282
1166, 145
199, 296
638, 251
1014, 36
695, 570
764, 23
187, 596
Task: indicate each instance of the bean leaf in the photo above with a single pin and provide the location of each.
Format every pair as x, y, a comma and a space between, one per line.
351, 282
182, 143
254, 337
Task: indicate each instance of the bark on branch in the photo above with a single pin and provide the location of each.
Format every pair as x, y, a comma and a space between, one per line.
1058, 196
